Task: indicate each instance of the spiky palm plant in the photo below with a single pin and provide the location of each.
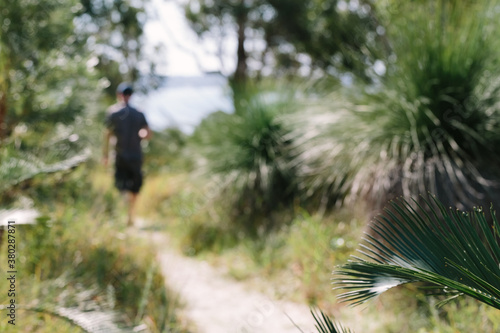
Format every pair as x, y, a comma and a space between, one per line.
455, 252
247, 149
428, 124
325, 325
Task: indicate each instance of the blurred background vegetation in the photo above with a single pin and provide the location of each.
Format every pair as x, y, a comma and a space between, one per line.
339, 107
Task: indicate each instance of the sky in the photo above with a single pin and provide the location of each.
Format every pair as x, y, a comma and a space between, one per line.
184, 54
189, 94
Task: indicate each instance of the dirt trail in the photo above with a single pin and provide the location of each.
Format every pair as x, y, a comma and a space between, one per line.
217, 304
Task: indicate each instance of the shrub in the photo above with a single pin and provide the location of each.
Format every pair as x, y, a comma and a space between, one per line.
247, 151
429, 124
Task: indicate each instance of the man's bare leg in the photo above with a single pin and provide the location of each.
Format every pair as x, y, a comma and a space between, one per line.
132, 199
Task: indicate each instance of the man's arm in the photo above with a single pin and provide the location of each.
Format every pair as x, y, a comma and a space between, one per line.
145, 133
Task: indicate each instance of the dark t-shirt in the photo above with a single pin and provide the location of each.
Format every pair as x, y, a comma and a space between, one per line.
125, 125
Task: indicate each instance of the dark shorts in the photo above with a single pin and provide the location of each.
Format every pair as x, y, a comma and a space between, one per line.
128, 174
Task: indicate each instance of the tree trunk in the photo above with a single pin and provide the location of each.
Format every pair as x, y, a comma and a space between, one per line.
240, 75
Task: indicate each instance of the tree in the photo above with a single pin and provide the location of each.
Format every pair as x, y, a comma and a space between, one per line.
248, 149
317, 33
338, 37
206, 16
35, 38
48, 55
51, 80
113, 30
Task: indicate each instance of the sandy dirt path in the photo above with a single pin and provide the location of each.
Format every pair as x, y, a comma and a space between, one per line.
215, 303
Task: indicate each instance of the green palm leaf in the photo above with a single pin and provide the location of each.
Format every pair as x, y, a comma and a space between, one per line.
325, 325
455, 252
248, 149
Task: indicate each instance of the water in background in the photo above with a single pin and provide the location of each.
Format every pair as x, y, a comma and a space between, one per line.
182, 102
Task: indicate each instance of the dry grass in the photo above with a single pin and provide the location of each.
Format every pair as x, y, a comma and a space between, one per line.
296, 262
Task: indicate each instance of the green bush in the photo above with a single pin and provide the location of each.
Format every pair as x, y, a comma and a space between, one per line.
430, 122
167, 151
247, 151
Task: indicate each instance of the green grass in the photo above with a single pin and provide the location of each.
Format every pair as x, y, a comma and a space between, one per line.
36, 322
202, 227
295, 262
80, 253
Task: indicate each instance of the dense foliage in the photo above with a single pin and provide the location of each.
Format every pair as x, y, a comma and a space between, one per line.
293, 37
416, 110
428, 125
248, 151
55, 60
55, 56
37, 52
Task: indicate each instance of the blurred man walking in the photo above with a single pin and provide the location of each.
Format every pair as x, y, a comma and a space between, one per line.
128, 126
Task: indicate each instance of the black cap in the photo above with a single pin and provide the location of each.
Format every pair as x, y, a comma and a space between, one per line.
125, 88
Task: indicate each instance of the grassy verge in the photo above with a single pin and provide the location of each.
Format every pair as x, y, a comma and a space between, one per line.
295, 260
36, 322
79, 256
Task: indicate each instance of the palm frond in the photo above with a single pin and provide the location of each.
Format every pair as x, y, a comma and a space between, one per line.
325, 325
248, 149
455, 252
